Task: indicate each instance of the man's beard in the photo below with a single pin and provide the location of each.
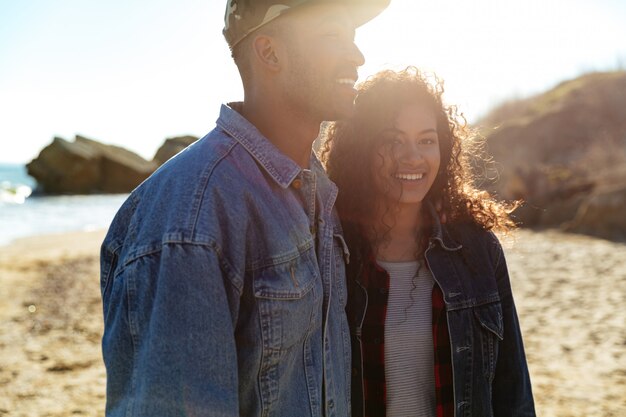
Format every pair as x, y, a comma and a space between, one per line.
313, 94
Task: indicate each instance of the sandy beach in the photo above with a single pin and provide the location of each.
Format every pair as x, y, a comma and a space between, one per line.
50, 327
570, 292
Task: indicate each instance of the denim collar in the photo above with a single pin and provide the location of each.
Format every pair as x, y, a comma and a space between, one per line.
280, 167
440, 231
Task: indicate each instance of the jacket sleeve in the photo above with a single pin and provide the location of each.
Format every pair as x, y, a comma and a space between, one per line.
512, 393
169, 341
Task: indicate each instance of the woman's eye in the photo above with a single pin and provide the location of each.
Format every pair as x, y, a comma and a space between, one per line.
428, 141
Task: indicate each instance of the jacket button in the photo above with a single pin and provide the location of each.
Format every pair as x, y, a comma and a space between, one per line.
297, 183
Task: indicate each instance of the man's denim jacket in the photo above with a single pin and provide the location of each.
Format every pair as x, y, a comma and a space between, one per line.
490, 373
223, 286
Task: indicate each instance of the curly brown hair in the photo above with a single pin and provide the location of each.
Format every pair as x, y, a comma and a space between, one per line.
349, 144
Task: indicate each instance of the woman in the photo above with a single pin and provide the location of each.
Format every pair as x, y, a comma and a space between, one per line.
433, 322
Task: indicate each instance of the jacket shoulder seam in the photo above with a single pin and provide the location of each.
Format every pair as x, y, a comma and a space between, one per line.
209, 244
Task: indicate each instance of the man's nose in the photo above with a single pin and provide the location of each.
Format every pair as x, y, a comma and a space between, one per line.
356, 56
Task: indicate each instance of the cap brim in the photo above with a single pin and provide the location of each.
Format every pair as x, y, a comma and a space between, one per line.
365, 10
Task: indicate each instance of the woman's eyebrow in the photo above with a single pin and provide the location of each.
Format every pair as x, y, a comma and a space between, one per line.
396, 130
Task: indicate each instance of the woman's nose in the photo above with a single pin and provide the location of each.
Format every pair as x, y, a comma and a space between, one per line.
411, 154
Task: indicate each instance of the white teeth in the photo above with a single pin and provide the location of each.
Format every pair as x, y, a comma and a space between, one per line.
346, 81
409, 177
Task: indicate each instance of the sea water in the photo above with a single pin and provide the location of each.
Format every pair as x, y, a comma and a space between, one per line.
24, 214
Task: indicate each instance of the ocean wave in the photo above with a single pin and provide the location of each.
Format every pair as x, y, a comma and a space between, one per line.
40, 215
14, 193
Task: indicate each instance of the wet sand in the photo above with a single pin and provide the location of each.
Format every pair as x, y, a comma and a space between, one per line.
570, 292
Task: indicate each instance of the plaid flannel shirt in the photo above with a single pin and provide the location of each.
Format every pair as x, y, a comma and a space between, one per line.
376, 280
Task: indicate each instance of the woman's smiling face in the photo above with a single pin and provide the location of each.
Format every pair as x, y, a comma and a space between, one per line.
408, 158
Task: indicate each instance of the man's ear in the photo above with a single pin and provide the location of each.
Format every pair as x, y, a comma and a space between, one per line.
266, 52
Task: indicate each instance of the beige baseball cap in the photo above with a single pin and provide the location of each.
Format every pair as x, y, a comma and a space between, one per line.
245, 16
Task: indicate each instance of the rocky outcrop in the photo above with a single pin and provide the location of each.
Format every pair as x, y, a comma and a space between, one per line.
171, 147
86, 166
602, 214
563, 152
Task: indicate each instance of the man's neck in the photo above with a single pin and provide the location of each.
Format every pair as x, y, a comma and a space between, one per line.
291, 133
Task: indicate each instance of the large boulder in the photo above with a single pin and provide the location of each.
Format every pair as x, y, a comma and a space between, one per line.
86, 166
171, 147
560, 151
602, 214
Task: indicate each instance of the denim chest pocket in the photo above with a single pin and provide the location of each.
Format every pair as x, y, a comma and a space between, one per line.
491, 331
287, 295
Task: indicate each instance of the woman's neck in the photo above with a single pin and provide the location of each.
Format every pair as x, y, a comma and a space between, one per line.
401, 242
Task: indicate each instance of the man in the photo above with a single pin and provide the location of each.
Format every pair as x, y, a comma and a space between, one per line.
222, 276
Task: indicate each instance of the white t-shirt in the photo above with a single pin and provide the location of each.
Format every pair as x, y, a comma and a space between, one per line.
409, 356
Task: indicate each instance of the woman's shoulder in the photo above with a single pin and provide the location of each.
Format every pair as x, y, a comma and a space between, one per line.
471, 234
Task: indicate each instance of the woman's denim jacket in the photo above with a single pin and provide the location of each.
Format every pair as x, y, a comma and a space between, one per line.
490, 373
223, 285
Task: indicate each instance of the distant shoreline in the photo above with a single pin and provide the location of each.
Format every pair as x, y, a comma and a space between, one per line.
23, 214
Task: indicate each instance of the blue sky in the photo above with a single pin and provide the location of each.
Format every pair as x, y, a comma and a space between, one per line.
135, 72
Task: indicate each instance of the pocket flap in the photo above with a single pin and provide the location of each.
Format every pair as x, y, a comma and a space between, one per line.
344, 247
289, 280
490, 318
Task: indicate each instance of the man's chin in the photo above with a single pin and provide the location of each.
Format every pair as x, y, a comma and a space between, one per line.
342, 112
